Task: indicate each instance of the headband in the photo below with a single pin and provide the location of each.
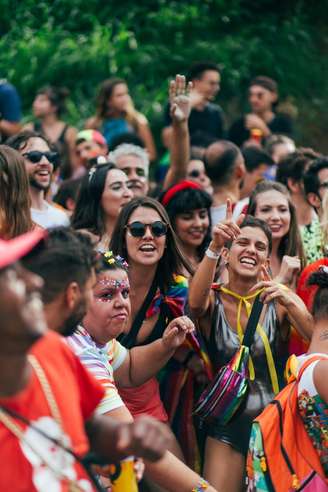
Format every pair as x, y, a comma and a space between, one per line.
183, 185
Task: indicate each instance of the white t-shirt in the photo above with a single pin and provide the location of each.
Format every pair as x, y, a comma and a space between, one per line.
218, 214
49, 216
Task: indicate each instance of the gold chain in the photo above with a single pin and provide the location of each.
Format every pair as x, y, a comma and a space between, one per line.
18, 432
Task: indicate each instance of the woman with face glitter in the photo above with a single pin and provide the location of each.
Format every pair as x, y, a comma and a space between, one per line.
96, 345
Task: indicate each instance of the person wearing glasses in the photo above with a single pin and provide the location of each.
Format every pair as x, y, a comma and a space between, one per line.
263, 100
40, 163
143, 235
134, 161
315, 186
196, 172
103, 193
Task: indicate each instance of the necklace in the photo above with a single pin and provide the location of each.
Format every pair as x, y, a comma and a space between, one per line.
9, 422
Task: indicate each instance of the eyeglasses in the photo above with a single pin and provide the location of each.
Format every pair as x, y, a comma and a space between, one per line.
138, 229
35, 156
194, 174
323, 185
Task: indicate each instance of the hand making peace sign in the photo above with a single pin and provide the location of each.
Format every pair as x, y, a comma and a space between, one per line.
227, 230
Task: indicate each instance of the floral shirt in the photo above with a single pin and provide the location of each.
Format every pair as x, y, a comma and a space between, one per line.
312, 239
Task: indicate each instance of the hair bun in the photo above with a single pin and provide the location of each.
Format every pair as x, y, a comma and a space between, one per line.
320, 277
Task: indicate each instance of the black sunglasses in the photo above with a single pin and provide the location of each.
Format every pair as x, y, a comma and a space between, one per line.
194, 174
35, 156
138, 229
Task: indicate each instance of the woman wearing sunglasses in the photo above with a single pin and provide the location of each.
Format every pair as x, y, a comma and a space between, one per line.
144, 236
188, 207
114, 366
196, 172
103, 194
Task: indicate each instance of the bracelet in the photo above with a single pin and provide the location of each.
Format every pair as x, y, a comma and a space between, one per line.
202, 485
211, 254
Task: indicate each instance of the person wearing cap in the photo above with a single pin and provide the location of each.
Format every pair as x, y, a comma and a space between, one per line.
40, 163
90, 144
47, 427
262, 120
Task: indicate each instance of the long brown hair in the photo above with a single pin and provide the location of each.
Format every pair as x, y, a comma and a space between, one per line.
172, 261
291, 243
15, 200
105, 92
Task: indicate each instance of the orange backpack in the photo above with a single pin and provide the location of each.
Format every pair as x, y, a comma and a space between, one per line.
281, 455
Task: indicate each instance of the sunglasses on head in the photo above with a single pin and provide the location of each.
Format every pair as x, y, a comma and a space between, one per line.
138, 229
35, 156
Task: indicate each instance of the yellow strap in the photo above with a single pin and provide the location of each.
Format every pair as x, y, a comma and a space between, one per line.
243, 300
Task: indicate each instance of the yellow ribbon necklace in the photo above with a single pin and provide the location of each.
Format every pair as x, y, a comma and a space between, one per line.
244, 300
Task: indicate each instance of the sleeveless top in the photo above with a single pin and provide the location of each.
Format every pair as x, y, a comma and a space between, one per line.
224, 342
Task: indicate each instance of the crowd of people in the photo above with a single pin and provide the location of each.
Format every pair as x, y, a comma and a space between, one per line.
128, 281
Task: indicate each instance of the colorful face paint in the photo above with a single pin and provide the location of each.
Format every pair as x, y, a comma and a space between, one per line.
112, 288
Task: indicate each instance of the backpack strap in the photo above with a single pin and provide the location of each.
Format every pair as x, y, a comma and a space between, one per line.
308, 363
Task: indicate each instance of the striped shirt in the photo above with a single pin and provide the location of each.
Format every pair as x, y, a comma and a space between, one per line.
102, 361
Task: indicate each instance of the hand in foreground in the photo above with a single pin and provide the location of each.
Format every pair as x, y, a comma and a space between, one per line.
254, 121
179, 94
145, 438
176, 332
227, 230
273, 290
290, 268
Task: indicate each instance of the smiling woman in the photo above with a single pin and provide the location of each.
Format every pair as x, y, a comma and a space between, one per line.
271, 202
145, 237
223, 312
102, 195
188, 207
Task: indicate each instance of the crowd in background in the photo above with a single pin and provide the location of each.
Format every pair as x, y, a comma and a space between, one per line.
148, 265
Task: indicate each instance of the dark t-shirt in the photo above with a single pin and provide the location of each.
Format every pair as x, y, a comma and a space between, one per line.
208, 122
281, 124
10, 104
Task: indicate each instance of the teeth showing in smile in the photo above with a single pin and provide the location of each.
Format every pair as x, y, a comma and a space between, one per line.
248, 261
147, 247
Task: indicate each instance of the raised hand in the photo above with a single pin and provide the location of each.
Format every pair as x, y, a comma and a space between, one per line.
227, 230
290, 268
179, 94
272, 290
176, 332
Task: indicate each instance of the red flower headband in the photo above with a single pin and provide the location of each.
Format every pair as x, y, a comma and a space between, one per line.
183, 185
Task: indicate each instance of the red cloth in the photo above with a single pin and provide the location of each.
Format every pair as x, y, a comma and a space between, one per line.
307, 292
145, 400
77, 394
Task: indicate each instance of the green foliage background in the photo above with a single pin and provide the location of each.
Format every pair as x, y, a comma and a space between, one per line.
78, 43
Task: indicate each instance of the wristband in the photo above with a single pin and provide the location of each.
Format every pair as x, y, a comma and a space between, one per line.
202, 485
211, 254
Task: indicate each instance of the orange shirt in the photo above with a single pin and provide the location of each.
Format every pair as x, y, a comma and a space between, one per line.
77, 394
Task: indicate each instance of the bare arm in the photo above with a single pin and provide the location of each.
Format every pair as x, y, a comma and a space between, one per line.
145, 362
200, 296
179, 133
70, 140
113, 441
9, 128
290, 306
146, 135
320, 375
